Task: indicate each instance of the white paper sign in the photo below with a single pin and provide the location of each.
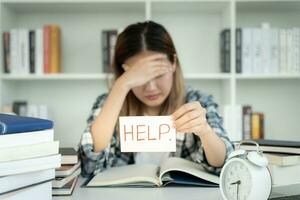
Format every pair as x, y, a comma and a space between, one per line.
147, 134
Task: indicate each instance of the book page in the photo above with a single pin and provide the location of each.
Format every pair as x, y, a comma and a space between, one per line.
189, 167
133, 175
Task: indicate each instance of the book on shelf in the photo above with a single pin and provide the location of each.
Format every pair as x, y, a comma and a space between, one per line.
20, 108
225, 51
109, 38
257, 125
66, 169
67, 189
68, 155
39, 191
283, 159
29, 165
59, 182
28, 151
172, 171
17, 124
275, 146
246, 120
20, 181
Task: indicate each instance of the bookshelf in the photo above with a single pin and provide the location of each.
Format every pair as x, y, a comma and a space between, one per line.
195, 26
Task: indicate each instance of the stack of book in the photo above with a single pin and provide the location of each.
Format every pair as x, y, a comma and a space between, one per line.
262, 50
284, 160
28, 157
32, 51
66, 176
248, 124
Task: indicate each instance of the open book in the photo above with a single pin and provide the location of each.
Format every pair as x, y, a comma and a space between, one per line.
172, 171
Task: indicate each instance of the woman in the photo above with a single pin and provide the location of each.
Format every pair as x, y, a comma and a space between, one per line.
149, 81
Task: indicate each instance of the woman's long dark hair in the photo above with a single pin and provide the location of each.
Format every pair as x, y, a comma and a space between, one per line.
151, 36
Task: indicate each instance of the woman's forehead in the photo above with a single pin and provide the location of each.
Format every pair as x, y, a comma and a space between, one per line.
141, 55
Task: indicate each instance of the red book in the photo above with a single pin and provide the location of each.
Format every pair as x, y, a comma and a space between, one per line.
47, 46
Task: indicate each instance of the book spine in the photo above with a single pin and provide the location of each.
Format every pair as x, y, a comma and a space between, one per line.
247, 110
238, 50
274, 46
227, 51
289, 38
222, 51
247, 51
283, 50
113, 34
257, 51
39, 60
6, 52
105, 56
32, 51
14, 51
46, 45
55, 49
257, 126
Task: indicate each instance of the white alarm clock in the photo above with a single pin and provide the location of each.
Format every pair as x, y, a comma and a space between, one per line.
245, 175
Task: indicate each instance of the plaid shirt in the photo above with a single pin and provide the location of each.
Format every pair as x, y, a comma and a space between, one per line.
188, 147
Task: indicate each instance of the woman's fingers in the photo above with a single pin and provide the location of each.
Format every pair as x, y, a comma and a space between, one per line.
191, 123
184, 109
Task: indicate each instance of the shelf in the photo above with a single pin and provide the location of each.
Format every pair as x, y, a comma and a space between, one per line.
187, 76
205, 76
100, 76
266, 77
77, 6
103, 76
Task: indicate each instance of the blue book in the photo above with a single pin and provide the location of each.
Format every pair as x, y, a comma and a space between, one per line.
17, 124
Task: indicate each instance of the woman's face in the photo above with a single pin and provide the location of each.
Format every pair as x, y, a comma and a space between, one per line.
156, 91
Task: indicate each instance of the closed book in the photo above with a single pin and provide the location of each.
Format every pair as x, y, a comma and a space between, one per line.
28, 151
17, 124
15, 182
26, 138
55, 63
66, 170
24, 51
238, 50
39, 50
68, 155
275, 146
61, 181
283, 50
257, 126
247, 51
172, 171
41, 191
47, 48
282, 159
284, 175
257, 51
6, 52
247, 111
67, 189
29, 165
14, 55
32, 51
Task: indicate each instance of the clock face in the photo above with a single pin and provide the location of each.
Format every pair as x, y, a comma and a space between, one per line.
237, 181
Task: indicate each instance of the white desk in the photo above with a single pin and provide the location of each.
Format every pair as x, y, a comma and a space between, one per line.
171, 193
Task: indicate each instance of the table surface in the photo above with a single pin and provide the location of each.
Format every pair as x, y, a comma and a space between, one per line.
165, 193
144, 193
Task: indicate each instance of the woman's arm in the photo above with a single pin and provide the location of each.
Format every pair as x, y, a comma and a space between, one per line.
106, 120
193, 118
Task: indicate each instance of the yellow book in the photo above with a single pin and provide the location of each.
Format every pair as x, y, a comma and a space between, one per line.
55, 51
